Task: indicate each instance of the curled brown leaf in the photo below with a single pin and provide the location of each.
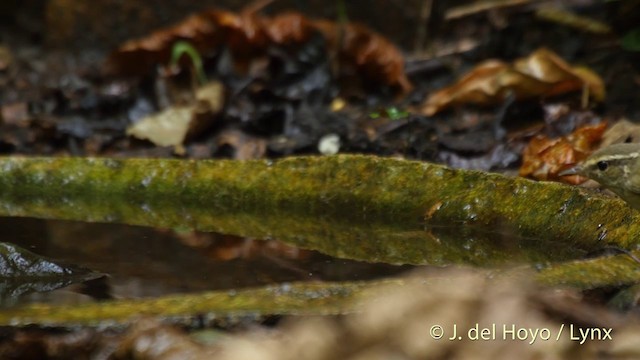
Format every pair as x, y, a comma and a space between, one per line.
248, 35
541, 74
373, 55
544, 158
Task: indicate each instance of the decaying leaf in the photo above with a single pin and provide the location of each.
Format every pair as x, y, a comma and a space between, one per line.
173, 125
371, 54
243, 146
544, 158
167, 128
542, 74
15, 114
248, 35
140, 56
623, 131
288, 28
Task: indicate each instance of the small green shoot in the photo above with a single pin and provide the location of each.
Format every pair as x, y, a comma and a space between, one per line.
392, 112
631, 40
185, 48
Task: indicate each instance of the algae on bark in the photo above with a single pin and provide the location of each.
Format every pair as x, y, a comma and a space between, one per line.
222, 306
606, 271
352, 188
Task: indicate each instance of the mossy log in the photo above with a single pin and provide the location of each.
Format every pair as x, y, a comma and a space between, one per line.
215, 307
350, 189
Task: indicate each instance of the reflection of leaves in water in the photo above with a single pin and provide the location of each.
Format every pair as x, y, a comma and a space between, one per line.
22, 272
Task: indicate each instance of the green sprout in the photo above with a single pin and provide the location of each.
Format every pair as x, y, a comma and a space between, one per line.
185, 48
392, 112
631, 41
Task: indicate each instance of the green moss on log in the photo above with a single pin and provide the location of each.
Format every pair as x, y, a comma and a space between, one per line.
223, 306
350, 189
606, 271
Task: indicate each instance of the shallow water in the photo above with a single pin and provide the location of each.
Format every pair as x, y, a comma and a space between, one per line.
148, 262
143, 262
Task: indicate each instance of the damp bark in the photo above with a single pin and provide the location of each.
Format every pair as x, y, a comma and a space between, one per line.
282, 198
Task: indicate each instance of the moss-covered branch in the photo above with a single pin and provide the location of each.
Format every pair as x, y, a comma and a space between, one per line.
606, 271
237, 196
223, 306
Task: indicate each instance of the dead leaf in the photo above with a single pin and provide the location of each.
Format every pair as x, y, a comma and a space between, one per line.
373, 56
542, 74
212, 95
141, 56
244, 146
167, 128
544, 158
248, 35
174, 125
15, 114
623, 131
289, 28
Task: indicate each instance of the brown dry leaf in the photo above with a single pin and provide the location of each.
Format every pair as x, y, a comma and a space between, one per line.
373, 56
289, 28
141, 56
15, 114
243, 33
244, 146
623, 131
542, 74
248, 35
544, 158
173, 125
206, 31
